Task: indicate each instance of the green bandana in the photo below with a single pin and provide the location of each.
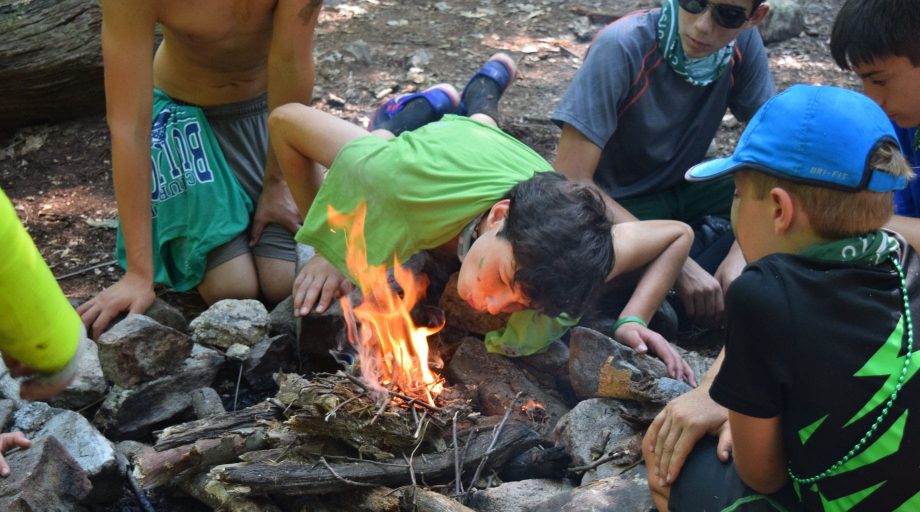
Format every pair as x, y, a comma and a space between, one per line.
701, 72
869, 249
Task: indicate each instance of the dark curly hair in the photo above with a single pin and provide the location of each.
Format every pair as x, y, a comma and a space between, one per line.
866, 30
561, 241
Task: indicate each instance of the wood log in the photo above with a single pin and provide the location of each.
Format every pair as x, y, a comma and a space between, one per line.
153, 469
295, 479
417, 499
215, 426
50, 61
212, 493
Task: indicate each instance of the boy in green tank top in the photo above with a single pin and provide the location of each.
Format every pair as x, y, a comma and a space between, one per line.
531, 242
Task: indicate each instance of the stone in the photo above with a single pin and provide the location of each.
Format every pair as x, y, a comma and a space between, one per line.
420, 58
549, 368
231, 321
165, 314
45, 477
537, 462
361, 52
89, 385
785, 20
237, 352
7, 407
94, 453
499, 380
206, 402
134, 413
461, 315
268, 357
282, 320
592, 430
518, 496
138, 349
624, 493
601, 367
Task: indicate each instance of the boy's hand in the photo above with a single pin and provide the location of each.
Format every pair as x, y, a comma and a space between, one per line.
8, 441
700, 293
132, 293
318, 283
679, 426
275, 206
640, 339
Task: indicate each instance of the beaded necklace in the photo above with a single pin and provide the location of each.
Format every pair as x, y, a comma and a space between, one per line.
894, 394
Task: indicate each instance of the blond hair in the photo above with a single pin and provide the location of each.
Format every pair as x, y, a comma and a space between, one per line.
836, 213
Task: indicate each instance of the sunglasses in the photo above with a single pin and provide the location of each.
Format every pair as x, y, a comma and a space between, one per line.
726, 16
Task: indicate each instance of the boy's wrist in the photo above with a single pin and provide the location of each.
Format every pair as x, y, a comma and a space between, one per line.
628, 320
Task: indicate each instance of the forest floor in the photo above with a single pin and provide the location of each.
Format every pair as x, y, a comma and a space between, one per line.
59, 175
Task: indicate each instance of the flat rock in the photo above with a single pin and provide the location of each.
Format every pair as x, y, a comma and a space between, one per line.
231, 321
45, 477
268, 357
139, 349
461, 315
592, 430
785, 20
167, 315
134, 413
624, 493
518, 496
602, 367
281, 319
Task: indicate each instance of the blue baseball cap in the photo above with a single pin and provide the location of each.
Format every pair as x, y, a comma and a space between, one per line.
816, 135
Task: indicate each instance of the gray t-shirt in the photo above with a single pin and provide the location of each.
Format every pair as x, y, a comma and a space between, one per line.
650, 122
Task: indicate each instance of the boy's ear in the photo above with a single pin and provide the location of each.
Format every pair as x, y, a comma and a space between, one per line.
783, 210
498, 213
759, 14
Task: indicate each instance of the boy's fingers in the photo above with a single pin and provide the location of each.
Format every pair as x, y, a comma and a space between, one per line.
255, 234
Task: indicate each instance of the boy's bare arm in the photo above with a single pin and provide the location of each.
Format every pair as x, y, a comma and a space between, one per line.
908, 227
682, 423
759, 453
290, 80
661, 247
127, 46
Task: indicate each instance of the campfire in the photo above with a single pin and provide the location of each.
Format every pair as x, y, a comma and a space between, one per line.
393, 351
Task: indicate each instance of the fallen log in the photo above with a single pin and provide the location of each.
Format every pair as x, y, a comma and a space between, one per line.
215, 426
296, 479
211, 493
50, 61
153, 469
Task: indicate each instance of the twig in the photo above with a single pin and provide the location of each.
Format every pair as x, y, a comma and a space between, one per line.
369, 461
421, 424
603, 460
296, 398
236, 393
138, 493
383, 407
495, 435
85, 270
458, 485
335, 409
347, 481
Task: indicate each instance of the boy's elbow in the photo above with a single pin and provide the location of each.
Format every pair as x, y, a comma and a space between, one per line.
766, 485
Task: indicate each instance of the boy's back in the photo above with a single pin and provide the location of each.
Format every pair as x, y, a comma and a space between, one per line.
823, 347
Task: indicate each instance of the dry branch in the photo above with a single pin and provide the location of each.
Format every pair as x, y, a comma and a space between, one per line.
296, 479
216, 426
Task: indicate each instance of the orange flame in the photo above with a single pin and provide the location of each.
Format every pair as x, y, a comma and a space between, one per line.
393, 351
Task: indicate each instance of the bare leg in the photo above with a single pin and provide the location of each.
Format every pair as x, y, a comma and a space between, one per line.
232, 279
484, 119
276, 278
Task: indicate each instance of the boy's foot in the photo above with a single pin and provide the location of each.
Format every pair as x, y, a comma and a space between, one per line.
411, 111
486, 86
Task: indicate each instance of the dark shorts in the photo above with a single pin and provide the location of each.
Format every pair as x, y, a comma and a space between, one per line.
707, 484
241, 130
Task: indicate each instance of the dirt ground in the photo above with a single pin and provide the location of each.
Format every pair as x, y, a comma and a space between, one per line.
59, 176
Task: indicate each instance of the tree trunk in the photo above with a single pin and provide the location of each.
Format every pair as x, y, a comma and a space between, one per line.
50, 61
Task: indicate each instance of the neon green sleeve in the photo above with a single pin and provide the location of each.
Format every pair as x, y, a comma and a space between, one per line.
528, 332
38, 327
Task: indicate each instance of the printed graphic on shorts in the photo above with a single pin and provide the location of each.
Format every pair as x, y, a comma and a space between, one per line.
179, 157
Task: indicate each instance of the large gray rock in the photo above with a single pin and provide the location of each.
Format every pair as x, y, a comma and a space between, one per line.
624, 493
593, 430
138, 349
785, 20
6, 413
518, 496
91, 450
167, 315
134, 413
88, 387
268, 357
282, 318
45, 477
231, 321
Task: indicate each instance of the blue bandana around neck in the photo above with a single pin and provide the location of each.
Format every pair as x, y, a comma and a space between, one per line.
700, 72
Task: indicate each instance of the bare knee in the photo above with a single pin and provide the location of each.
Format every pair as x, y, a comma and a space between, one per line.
232, 279
276, 278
